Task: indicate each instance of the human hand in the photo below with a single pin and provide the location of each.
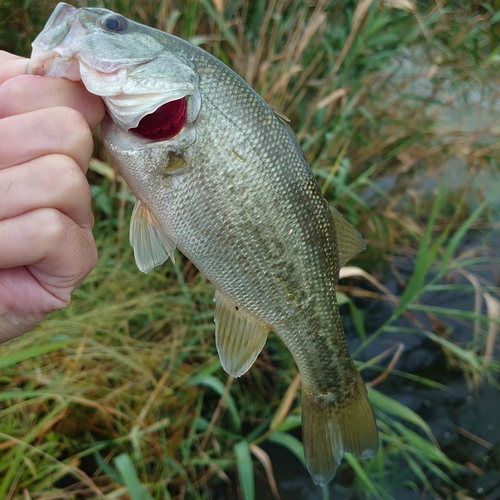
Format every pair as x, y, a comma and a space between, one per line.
46, 243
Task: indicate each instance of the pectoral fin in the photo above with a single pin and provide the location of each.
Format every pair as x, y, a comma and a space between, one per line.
349, 241
238, 338
152, 244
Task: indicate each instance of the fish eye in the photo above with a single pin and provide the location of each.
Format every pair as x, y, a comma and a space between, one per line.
114, 23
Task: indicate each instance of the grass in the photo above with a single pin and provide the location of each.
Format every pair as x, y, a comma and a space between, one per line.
121, 395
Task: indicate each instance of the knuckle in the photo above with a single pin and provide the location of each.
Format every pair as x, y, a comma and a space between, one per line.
67, 121
91, 253
84, 255
76, 246
73, 246
90, 222
70, 191
75, 120
71, 132
13, 95
67, 177
55, 226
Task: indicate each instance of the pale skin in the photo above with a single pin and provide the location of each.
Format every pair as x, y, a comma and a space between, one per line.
46, 243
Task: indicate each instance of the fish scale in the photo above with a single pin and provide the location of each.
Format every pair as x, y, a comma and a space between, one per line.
234, 193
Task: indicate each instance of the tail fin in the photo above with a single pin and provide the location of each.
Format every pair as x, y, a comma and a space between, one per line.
328, 430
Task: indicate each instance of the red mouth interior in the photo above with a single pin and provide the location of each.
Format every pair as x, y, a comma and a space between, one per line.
165, 123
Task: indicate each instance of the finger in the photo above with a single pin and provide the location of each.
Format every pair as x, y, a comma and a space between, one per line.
27, 93
23, 302
52, 181
42, 132
7, 56
59, 253
11, 66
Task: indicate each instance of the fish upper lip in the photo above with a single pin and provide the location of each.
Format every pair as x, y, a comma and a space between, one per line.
44, 65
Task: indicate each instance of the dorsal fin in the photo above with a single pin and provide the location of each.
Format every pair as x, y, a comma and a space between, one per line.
281, 116
152, 244
238, 338
349, 241
285, 121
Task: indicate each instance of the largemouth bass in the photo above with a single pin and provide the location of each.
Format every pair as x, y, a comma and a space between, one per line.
221, 176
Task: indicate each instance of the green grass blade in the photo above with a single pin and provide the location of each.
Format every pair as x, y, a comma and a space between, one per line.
290, 422
417, 470
125, 467
245, 470
291, 443
458, 236
362, 475
393, 407
106, 467
424, 261
357, 318
423, 447
187, 444
457, 313
220, 389
465, 355
13, 470
32, 352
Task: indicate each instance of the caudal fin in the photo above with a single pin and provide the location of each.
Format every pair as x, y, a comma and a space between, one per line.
328, 430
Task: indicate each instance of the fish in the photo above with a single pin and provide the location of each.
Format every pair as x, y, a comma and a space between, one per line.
220, 175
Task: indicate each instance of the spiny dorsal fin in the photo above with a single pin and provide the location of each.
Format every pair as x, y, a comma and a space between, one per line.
152, 244
349, 241
281, 116
286, 123
239, 339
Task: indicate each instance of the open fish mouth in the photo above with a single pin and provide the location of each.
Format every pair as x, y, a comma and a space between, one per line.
164, 123
147, 91
158, 123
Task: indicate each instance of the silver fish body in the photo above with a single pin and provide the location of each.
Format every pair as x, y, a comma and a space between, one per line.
231, 190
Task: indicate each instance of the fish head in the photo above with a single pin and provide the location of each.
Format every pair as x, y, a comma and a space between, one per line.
149, 88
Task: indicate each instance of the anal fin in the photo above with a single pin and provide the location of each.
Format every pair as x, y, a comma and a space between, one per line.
238, 338
329, 430
152, 244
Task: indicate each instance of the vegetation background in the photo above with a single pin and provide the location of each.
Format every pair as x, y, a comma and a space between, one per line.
396, 104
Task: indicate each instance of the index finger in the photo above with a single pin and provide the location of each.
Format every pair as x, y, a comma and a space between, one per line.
7, 56
11, 66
